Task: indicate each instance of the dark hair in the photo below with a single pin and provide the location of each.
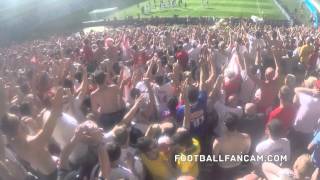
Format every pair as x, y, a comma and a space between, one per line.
116, 68
183, 138
29, 74
24, 87
134, 93
170, 131
78, 76
193, 94
172, 104
258, 34
274, 34
99, 77
163, 60
114, 151
86, 105
86, 41
134, 135
285, 94
159, 79
67, 83
144, 143
25, 109
231, 123
275, 129
14, 109
254, 69
10, 124
121, 136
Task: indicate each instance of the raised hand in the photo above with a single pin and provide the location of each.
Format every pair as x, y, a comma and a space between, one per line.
139, 101
57, 102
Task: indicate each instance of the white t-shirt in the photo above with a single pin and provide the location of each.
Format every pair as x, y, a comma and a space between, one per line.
138, 165
163, 94
194, 53
187, 46
254, 44
221, 58
223, 113
272, 147
75, 110
121, 172
64, 131
247, 88
308, 113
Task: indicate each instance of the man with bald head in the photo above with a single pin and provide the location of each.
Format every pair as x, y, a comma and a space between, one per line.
268, 86
252, 123
286, 111
225, 109
186, 178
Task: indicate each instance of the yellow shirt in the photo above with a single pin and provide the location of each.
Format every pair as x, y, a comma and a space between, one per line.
305, 52
158, 168
190, 167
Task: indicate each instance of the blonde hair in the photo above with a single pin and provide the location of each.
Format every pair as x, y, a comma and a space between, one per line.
303, 165
309, 83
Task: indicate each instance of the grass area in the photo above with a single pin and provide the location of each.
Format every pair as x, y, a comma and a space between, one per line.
301, 11
217, 8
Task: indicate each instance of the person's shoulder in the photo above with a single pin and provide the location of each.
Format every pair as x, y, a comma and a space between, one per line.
284, 140
94, 93
113, 86
245, 136
264, 143
276, 111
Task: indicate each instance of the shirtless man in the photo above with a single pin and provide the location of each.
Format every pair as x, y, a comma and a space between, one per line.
107, 102
275, 42
10, 168
34, 148
232, 142
269, 87
112, 51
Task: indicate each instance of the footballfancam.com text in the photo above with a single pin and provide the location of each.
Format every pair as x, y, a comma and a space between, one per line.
231, 158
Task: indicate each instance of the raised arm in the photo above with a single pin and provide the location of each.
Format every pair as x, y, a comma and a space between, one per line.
313, 92
129, 116
187, 110
275, 54
152, 106
43, 136
217, 87
67, 150
84, 84
253, 77
104, 162
216, 147
212, 76
150, 68
202, 75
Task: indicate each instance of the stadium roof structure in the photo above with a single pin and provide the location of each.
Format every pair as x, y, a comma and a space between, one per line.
314, 8
98, 14
98, 11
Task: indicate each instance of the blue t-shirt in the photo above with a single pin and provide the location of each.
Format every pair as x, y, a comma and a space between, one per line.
198, 114
316, 151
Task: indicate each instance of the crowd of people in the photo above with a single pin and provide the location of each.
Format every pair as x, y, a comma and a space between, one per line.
130, 102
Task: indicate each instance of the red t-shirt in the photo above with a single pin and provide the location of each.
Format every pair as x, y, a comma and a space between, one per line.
182, 57
139, 58
285, 114
232, 86
87, 54
269, 92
